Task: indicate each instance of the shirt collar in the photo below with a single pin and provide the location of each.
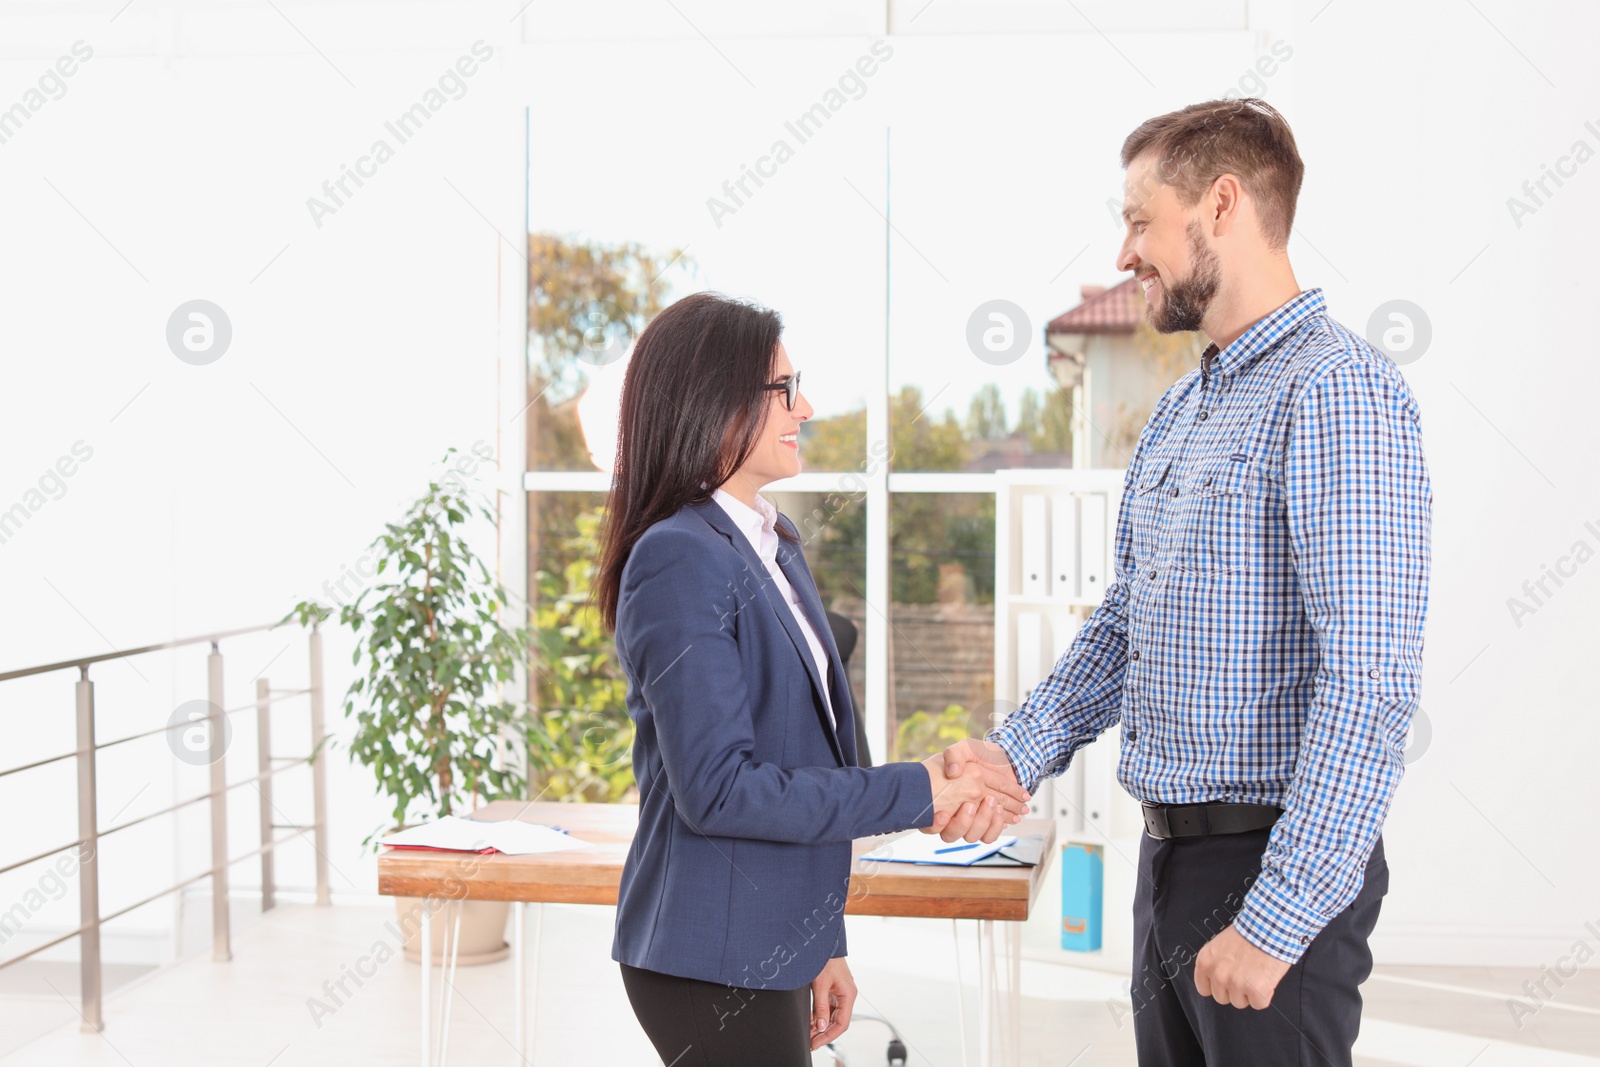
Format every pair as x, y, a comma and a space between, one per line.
752, 522
1263, 336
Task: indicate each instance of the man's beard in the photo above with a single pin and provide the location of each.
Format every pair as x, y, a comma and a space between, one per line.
1185, 302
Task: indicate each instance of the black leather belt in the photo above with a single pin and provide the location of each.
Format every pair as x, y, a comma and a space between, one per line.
1199, 820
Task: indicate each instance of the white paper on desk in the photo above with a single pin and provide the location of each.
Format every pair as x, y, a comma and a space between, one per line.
511, 836
517, 838
918, 847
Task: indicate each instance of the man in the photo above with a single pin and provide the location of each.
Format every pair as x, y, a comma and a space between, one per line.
1262, 643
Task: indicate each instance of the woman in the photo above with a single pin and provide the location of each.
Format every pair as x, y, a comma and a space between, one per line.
730, 929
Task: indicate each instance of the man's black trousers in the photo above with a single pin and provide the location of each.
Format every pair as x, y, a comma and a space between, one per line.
1189, 889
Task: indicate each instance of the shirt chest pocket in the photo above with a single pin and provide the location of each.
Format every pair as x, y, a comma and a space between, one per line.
1148, 507
1221, 516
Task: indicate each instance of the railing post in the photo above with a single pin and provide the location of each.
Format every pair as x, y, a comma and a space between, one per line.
88, 860
319, 777
221, 949
264, 787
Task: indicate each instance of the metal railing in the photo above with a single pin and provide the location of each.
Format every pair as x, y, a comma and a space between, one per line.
89, 832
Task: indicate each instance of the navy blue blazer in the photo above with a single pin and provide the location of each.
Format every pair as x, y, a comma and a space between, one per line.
748, 800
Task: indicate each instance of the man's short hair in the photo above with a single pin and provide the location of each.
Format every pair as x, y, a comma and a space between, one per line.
1247, 138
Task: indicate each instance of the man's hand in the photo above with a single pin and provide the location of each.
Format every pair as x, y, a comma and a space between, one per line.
833, 998
988, 763
1230, 970
972, 795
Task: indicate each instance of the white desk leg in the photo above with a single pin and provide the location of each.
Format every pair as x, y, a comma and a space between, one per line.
533, 981
961, 992
519, 958
427, 1001
1002, 1028
1014, 1006
986, 990
447, 973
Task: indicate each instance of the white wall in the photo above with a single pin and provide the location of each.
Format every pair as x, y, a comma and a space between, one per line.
178, 163
217, 496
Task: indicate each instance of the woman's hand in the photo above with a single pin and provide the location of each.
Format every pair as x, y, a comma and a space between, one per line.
975, 789
833, 998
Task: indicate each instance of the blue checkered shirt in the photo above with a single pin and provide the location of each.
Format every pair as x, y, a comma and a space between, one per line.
1262, 640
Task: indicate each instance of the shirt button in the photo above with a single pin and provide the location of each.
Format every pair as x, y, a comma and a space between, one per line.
1374, 673
1203, 415
1152, 574
1134, 654
1133, 734
1304, 940
1208, 481
1174, 491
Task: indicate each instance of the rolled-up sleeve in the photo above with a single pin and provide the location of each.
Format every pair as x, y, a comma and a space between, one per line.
1358, 508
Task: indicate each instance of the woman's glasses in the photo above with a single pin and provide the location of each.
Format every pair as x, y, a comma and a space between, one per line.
790, 387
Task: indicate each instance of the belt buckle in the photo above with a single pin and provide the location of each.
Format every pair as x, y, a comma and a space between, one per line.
1155, 821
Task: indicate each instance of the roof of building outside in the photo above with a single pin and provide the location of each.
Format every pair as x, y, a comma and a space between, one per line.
1114, 310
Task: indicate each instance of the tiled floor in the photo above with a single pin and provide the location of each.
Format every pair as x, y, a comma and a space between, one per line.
258, 1009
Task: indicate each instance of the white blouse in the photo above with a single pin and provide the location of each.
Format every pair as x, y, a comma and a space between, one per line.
760, 528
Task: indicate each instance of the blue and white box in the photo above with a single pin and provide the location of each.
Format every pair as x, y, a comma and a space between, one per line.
1082, 896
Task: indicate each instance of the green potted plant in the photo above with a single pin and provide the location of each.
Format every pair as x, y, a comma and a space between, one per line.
428, 717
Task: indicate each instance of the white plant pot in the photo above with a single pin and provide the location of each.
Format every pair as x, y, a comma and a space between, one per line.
483, 929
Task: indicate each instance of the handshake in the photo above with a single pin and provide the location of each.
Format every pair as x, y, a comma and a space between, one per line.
975, 792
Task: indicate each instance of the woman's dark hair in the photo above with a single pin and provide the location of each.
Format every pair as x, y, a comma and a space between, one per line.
692, 407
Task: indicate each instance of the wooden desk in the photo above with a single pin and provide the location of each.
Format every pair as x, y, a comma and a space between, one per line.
592, 876
581, 876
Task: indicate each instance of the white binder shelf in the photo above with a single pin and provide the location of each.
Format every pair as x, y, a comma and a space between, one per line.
1054, 538
1054, 535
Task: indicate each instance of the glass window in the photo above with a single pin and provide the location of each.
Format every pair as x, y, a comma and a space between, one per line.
941, 617
578, 690
920, 235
